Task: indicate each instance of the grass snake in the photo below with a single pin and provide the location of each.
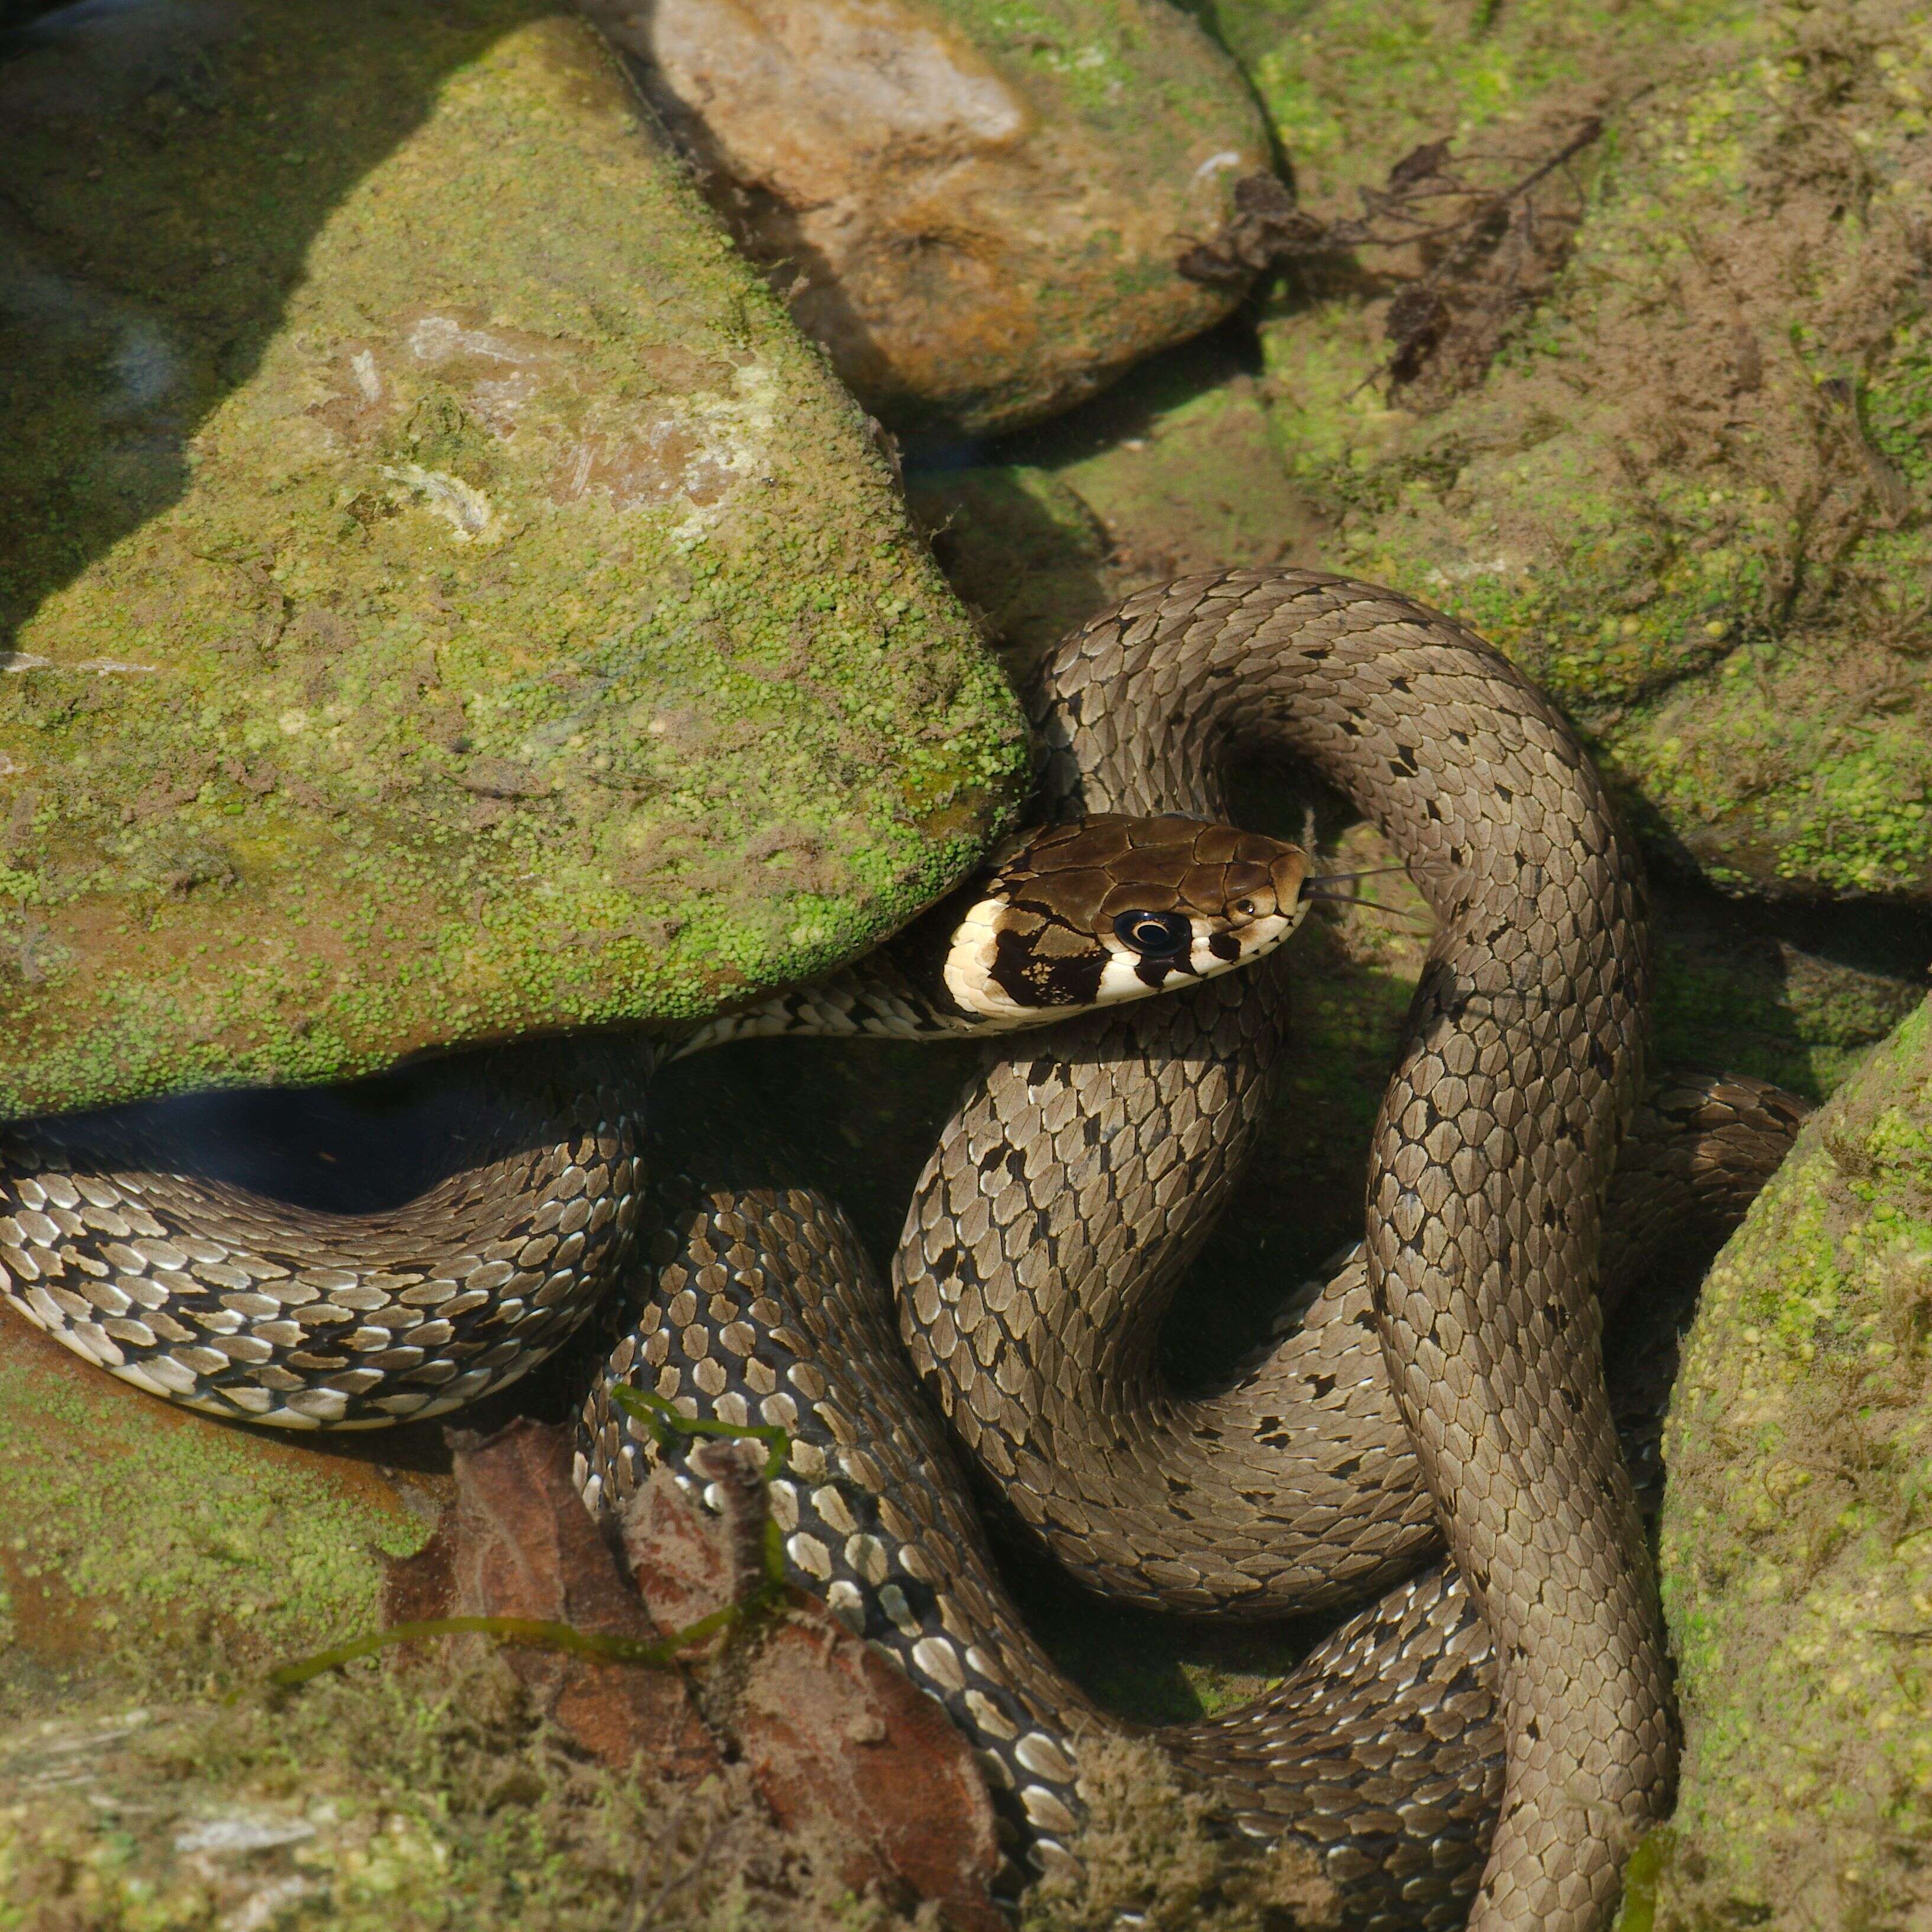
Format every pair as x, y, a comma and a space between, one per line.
1433, 1436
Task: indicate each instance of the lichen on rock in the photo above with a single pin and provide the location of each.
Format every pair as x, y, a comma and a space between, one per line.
1796, 1540
448, 598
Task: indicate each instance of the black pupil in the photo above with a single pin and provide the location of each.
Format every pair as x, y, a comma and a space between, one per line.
1152, 934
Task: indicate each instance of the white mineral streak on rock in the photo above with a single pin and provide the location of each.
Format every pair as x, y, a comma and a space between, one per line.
467, 510
434, 339
735, 434
242, 1831
62, 1751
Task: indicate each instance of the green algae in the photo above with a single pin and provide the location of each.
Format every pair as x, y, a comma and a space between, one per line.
449, 599
1685, 491
1351, 84
1152, 1852
1769, 1008
1134, 71
1796, 1540
142, 1544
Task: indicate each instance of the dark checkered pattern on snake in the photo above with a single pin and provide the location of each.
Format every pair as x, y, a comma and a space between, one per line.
1383, 1750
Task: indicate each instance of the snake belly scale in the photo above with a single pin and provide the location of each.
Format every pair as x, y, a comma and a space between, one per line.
1485, 1738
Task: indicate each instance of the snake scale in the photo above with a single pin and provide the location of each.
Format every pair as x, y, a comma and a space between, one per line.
1485, 1737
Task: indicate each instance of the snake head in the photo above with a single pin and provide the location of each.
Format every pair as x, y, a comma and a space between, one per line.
1111, 907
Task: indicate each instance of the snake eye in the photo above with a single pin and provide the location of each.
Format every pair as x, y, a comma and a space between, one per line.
1154, 935
1246, 907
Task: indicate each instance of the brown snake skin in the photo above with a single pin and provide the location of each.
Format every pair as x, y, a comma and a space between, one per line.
1519, 1072
1449, 1380
1076, 1181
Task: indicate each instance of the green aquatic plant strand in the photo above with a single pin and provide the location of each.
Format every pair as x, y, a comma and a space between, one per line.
532, 1632
664, 1420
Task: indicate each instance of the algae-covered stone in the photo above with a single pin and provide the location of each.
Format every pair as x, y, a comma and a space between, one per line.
1685, 483
1796, 1546
448, 598
977, 206
142, 1545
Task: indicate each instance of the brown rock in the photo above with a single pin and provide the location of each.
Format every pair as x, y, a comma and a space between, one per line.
980, 228
688, 1566
518, 1543
842, 1746
865, 1772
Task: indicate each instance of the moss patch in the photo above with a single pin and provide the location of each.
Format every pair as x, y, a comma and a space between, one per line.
1150, 1850
448, 599
1687, 494
145, 1547
1796, 1546
373, 1803
1350, 85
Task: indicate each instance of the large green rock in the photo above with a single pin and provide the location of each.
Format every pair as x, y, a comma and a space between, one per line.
1677, 466
1796, 1546
448, 599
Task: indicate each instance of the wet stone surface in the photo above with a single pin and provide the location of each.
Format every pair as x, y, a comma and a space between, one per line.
979, 209
1796, 1548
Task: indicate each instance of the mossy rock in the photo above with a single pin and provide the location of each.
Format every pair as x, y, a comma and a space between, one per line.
1684, 479
156, 1566
1796, 1540
143, 1547
448, 598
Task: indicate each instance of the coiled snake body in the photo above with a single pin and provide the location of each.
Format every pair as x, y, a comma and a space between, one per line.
1487, 1737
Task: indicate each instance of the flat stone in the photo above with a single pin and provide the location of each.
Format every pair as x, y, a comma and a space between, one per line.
978, 210
1172, 471
136, 1537
447, 598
